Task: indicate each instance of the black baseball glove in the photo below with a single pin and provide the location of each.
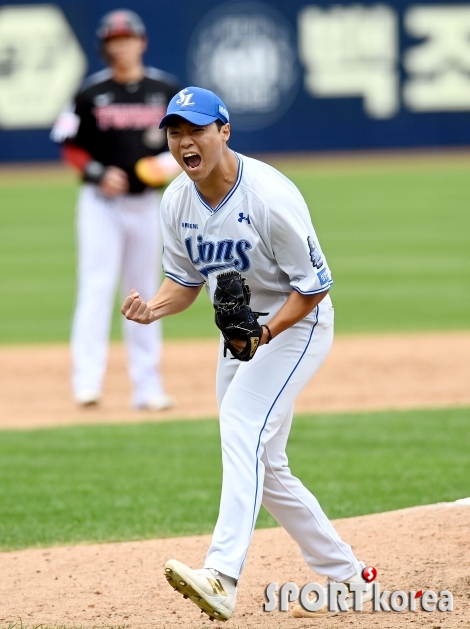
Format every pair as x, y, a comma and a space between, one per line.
234, 317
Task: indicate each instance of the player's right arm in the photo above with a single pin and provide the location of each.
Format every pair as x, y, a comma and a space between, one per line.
75, 130
182, 284
171, 298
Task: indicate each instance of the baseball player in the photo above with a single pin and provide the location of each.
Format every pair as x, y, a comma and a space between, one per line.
112, 135
224, 217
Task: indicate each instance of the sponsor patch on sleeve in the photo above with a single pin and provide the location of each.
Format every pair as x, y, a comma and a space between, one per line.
324, 277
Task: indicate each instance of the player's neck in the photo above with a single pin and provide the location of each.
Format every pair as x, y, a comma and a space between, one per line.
128, 74
221, 180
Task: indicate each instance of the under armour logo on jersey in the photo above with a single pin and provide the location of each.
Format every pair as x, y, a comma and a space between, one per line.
315, 255
185, 98
242, 218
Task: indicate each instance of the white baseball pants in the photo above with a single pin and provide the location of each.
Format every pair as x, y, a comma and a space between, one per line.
118, 239
256, 401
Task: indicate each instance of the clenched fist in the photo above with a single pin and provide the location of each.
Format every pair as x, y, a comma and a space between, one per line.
135, 309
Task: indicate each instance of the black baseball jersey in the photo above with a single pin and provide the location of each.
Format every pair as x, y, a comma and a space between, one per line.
118, 123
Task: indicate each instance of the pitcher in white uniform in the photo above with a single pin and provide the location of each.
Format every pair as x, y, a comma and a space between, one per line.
230, 212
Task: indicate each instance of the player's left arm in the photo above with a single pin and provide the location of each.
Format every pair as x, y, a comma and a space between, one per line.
298, 254
296, 308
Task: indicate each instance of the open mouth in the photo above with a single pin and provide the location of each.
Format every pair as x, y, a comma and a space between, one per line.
192, 160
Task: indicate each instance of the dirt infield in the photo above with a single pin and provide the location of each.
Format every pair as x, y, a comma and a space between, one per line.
361, 373
123, 584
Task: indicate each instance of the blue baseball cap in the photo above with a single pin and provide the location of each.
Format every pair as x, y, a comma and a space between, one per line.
196, 105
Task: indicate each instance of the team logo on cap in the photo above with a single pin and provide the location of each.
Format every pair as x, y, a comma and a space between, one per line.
185, 98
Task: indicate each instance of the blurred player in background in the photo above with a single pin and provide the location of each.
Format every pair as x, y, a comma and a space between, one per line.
111, 134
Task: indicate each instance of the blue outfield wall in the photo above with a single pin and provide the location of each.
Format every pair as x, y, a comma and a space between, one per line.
296, 76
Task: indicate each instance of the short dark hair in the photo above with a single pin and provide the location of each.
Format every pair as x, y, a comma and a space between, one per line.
220, 124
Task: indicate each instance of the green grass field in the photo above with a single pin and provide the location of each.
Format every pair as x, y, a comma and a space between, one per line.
397, 239
152, 480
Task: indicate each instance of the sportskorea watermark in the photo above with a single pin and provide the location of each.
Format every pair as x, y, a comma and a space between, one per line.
313, 597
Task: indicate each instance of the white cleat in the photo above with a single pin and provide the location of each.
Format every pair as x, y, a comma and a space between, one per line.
299, 612
160, 403
214, 593
87, 398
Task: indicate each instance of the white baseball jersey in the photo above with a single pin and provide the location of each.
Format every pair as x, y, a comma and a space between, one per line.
262, 229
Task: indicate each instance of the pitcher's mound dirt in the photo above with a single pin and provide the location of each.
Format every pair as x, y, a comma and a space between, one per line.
361, 373
123, 584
